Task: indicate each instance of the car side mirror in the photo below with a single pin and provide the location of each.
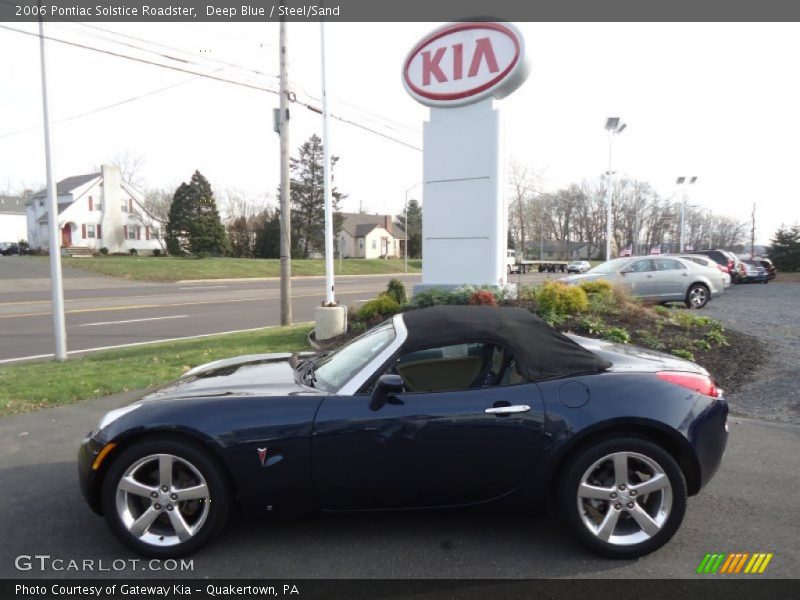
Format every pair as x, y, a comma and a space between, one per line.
625, 271
386, 386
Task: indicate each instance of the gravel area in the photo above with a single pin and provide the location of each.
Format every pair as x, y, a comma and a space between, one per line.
771, 313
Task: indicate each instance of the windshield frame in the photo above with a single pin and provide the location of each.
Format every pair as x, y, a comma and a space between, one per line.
354, 383
620, 263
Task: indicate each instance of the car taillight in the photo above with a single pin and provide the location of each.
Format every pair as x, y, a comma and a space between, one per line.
692, 381
723, 269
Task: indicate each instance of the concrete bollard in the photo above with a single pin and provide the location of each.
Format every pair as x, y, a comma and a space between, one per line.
329, 322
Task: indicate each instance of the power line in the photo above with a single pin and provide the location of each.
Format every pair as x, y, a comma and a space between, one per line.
197, 74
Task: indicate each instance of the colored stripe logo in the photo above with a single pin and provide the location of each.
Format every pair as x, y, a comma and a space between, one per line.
733, 564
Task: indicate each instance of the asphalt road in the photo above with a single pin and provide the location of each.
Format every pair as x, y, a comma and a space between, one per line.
749, 507
104, 311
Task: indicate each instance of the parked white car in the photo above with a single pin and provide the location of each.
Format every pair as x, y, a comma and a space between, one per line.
578, 266
709, 264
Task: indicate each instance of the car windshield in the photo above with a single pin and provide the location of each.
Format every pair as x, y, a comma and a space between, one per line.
335, 369
610, 266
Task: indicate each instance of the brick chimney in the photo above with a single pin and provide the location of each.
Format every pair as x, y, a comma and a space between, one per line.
387, 223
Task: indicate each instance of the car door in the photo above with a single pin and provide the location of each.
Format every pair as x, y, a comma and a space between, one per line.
638, 277
442, 442
671, 280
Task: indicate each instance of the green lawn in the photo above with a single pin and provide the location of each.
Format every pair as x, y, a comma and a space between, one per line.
176, 269
29, 386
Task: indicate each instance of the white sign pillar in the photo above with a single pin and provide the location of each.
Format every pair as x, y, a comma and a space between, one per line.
459, 70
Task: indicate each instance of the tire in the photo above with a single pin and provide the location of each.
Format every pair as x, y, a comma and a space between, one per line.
661, 508
170, 527
697, 296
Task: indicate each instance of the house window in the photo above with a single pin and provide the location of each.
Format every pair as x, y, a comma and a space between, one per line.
127, 206
131, 232
374, 244
360, 244
155, 233
98, 206
91, 231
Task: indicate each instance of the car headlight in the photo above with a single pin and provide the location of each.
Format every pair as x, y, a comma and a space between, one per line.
115, 414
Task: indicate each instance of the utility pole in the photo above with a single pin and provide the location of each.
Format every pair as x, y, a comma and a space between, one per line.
753, 234
286, 210
56, 283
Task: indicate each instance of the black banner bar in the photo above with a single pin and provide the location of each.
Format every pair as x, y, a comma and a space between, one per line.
744, 588
397, 10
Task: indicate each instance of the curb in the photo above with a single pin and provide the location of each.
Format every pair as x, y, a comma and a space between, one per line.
233, 280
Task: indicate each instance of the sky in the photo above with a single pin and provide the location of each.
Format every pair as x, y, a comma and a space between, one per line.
716, 101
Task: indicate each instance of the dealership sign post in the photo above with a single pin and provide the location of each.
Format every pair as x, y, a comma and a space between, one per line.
458, 71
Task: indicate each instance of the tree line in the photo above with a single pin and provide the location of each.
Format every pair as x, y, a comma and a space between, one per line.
640, 216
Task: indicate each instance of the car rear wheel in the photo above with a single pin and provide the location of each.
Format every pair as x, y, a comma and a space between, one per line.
623, 498
165, 499
697, 296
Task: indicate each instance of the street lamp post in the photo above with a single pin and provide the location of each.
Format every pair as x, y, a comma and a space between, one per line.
681, 181
614, 127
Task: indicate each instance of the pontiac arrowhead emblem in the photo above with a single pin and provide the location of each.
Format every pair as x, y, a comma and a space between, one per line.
262, 455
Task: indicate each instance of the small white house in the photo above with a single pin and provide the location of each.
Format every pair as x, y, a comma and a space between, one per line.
371, 236
13, 223
95, 211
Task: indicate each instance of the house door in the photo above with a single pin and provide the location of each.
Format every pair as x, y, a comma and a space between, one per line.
384, 248
66, 236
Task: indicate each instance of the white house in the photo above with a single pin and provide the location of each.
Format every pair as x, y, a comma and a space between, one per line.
95, 211
371, 236
13, 223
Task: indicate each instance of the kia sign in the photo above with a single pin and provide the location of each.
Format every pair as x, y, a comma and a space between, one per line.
462, 63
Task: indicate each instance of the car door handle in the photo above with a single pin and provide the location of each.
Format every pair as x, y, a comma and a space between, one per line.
507, 410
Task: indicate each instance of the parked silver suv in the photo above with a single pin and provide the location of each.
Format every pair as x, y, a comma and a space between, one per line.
658, 278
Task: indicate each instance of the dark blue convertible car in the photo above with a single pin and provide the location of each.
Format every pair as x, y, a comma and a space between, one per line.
446, 407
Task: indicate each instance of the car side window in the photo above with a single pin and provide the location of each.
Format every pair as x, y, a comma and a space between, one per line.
642, 266
668, 264
456, 367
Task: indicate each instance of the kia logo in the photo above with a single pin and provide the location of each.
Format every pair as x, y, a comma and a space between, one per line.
462, 63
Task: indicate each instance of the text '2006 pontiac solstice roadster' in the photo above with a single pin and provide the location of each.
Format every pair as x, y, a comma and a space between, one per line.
442, 407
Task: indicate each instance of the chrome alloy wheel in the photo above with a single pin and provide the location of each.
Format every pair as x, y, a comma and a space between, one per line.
698, 296
624, 498
162, 500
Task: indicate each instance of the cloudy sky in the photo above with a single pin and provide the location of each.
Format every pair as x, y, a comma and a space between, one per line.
719, 101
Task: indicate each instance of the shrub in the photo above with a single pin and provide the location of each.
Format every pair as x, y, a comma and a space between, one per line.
600, 287
380, 307
560, 298
157, 252
593, 326
553, 319
621, 295
526, 292
663, 311
715, 336
483, 298
133, 252
432, 297
618, 334
397, 290
104, 251
683, 353
202, 254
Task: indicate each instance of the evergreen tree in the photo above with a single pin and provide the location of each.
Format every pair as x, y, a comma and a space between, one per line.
268, 235
413, 228
194, 224
785, 249
308, 199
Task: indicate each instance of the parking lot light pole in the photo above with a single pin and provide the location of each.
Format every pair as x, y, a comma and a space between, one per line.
614, 127
684, 199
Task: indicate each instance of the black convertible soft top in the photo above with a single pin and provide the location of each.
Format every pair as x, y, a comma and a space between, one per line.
541, 351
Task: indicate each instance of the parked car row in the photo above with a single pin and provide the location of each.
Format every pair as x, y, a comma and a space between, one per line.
690, 277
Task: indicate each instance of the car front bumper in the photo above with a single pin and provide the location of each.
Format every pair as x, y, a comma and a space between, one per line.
90, 479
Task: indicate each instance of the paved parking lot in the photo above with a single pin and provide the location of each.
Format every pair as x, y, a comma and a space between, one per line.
770, 313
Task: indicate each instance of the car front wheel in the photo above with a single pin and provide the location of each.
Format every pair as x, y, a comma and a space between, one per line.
623, 498
697, 296
165, 498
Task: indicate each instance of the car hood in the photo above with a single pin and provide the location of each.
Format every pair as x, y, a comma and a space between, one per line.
634, 359
585, 277
250, 375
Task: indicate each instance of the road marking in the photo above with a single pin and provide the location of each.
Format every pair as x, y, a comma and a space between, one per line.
203, 287
142, 306
132, 321
177, 339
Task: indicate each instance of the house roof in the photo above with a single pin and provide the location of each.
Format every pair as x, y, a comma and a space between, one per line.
12, 205
65, 186
360, 224
62, 206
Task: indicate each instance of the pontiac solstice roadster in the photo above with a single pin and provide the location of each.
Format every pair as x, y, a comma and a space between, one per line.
446, 407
